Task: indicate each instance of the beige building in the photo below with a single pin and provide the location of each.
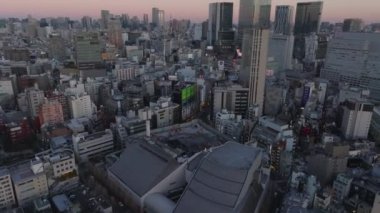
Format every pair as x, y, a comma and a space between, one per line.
29, 181
50, 112
7, 197
356, 120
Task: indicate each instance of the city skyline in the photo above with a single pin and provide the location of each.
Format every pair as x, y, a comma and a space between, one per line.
335, 10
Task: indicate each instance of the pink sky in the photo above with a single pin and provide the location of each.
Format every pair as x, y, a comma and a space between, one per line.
334, 10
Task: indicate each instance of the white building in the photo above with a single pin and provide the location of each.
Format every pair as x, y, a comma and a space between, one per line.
6, 87
75, 88
341, 187
166, 112
29, 181
346, 92
7, 197
356, 119
81, 106
229, 124
354, 58
89, 145
34, 98
280, 53
125, 70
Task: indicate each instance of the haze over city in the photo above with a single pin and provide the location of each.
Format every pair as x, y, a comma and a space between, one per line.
197, 10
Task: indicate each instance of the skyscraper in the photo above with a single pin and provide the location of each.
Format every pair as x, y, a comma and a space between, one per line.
356, 119
115, 32
253, 13
283, 20
105, 15
145, 19
308, 18
161, 18
219, 20
255, 51
155, 15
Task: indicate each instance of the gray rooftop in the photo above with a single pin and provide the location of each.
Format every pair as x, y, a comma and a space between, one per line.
219, 181
141, 166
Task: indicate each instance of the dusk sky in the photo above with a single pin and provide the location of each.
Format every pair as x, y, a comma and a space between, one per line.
334, 10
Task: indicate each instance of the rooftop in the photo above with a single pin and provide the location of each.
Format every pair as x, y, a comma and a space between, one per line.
222, 180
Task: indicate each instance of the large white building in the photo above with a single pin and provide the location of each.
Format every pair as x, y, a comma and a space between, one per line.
29, 181
354, 58
356, 119
165, 112
81, 106
89, 145
7, 197
280, 52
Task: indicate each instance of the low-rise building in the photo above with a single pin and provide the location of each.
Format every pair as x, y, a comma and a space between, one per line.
90, 145
29, 181
7, 197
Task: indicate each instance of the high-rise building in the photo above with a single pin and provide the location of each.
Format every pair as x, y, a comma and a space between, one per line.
253, 13
255, 53
352, 25
87, 50
219, 21
115, 32
57, 48
145, 19
308, 18
7, 197
353, 58
50, 112
356, 119
155, 16
81, 106
87, 23
161, 18
105, 15
280, 53
283, 22
34, 97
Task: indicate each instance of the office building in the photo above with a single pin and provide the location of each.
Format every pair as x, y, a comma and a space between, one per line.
353, 58
253, 14
254, 65
50, 113
88, 145
283, 22
375, 125
255, 50
7, 197
155, 18
81, 106
57, 48
308, 18
219, 21
356, 119
280, 53
307, 21
145, 19
115, 33
104, 18
164, 113
29, 181
62, 99
352, 25
87, 50
126, 70
233, 98
161, 18
87, 23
